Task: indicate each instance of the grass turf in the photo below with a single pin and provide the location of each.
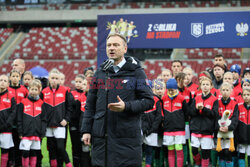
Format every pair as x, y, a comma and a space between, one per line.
45, 161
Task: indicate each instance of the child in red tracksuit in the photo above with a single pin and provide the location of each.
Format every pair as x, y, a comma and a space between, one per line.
245, 85
7, 116
27, 79
243, 128
62, 81
188, 81
58, 108
174, 108
19, 92
81, 156
236, 70
228, 77
151, 121
186, 93
226, 103
203, 116
31, 121
205, 74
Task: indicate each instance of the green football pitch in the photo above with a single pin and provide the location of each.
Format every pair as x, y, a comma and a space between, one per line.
45, 161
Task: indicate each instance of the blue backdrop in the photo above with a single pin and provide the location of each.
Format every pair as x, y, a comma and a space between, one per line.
177, 30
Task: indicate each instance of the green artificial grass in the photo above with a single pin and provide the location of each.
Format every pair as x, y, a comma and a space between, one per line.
45, 161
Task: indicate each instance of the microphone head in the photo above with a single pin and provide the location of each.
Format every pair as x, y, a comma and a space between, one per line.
112, 61
108, 63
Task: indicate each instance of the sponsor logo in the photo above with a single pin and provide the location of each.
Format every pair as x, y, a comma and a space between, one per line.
215, 28
242, 29
59, 95
197, 29
20, 94
166, 104
177, 104
208, 106
6, 100
39, 108
47, 94
27, 108
163, 31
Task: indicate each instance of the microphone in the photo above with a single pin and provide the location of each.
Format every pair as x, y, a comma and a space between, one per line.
108, 63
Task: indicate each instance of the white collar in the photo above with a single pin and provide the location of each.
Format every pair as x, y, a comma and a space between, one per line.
121, 63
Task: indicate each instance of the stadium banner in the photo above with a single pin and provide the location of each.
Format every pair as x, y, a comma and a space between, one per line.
176, 30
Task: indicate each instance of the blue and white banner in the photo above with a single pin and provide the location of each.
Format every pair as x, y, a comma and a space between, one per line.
176, 30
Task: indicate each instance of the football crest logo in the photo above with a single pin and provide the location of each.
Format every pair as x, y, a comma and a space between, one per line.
197, 29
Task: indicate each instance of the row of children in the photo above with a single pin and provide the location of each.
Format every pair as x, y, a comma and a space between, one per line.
182, 107
29, 113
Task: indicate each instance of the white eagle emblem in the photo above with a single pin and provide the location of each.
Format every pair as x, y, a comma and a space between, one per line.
242, 29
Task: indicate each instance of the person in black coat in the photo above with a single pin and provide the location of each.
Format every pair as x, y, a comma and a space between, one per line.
128, 96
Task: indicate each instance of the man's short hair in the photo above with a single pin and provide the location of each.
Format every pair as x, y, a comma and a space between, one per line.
118, 35
216, 56
221, 66
87, 69
177, 61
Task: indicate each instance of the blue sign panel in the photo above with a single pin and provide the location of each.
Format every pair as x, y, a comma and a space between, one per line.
176, 30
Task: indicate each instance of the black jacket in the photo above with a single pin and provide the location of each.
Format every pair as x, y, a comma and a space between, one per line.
57, 105
174, 113
243, 129
211, 71
217, 84
76, 108
8, 111
31, 118
202, 122
123, 128
152, 119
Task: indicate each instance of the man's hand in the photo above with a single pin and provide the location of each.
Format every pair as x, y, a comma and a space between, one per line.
63, 122
86, 138
224, 129
117, 107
